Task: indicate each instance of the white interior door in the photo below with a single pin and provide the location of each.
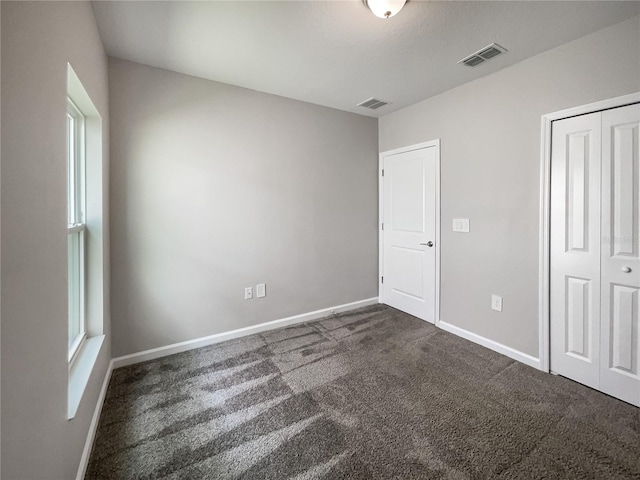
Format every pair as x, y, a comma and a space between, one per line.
575, 248
620, 318
409, 216
595, 259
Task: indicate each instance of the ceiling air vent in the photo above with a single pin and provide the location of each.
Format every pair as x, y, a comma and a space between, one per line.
373, 103
483, 55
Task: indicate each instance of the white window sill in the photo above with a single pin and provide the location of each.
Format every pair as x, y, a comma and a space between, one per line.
81, 371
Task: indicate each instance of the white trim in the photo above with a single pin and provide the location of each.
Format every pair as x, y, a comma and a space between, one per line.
79, 95
411, 148
437, 292
240, 332
433, 143
594, 107
93, 427
380, 223
491, 345
545, 206
76, 346
80, 372
545, 215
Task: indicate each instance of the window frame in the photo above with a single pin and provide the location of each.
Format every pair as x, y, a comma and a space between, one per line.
76, 228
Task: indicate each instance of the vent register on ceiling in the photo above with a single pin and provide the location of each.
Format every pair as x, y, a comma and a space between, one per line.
481, 56
373, 103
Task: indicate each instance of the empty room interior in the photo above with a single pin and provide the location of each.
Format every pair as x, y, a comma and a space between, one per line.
320, 239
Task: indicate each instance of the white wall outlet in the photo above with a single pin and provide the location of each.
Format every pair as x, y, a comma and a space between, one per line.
461, 225
496, 303
261, 290
248, 293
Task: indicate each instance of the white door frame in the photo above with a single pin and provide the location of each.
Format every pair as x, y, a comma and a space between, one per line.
436, 145
545, 210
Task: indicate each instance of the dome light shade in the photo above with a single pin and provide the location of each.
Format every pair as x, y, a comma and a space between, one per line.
385, 8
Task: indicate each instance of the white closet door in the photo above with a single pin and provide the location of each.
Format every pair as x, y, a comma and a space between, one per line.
575, 248
620, 265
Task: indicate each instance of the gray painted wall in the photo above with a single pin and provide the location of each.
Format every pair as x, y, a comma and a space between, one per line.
38, 39
490, 172
216, 188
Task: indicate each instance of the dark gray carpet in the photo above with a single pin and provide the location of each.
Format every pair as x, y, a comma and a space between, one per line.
371, 394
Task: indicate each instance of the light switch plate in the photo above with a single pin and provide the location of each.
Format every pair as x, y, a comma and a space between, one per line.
261, 290
248, 293
461, 225
496, 302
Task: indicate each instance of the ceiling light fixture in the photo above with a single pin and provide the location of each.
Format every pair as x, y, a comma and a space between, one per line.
384, 8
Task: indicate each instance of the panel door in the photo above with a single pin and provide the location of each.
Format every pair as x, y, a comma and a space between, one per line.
620, 313
575, 248
409, 212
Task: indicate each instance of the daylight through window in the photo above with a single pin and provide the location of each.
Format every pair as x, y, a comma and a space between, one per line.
76, 227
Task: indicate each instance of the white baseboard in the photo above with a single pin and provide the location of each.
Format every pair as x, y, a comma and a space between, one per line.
492, 345
240, 332
93, 427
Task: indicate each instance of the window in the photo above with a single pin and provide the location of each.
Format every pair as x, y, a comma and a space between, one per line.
86, 239
76, 227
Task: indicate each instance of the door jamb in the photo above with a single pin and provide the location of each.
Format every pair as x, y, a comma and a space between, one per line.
381, 157
545, 211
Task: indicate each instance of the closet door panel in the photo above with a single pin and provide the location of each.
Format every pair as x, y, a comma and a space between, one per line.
575, 248
620, 259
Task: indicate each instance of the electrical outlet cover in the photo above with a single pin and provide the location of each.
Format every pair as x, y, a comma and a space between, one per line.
261, 290
248, 293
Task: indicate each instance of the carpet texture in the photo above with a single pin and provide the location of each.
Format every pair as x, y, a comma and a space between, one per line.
374, 393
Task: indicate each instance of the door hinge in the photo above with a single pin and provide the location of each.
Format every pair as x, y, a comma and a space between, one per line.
381, 279
382, 225
383, 172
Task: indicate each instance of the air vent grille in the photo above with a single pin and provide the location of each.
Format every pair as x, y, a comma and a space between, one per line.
483, 55
473, 61
373, 103
490, 52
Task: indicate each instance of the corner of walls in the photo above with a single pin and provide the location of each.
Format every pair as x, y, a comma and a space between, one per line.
216, 188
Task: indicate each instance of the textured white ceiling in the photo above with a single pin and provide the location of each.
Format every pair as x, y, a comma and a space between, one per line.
336, 53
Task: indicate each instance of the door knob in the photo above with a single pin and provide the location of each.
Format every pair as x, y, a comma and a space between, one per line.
429, 243
626, 269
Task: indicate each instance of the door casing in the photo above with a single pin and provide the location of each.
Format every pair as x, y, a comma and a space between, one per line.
544, 315
435, 144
